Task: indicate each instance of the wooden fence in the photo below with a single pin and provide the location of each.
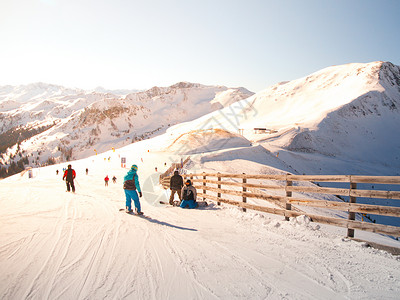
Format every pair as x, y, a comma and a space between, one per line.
212, 186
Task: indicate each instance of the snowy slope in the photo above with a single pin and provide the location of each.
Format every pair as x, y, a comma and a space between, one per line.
57, 245
341, 114
340, 120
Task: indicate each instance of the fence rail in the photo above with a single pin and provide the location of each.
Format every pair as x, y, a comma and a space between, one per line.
237, 185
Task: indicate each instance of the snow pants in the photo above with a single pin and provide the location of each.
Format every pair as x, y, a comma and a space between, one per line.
171, 198
189, 203
70, 184
132, 195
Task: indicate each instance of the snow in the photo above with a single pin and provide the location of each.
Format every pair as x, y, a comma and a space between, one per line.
58, 245
92, 120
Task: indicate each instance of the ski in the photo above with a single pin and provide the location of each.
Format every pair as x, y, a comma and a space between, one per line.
176, 203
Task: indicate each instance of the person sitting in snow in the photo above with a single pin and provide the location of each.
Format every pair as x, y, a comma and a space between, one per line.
69, 176
189, 195
131, 188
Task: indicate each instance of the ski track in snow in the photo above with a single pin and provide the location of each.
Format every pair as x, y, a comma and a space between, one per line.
58, 245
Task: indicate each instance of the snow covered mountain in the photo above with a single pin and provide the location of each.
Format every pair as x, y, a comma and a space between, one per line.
119, 92
50, 123
340, 120
34, 91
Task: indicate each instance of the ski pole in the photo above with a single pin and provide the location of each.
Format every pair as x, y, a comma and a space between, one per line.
77, 183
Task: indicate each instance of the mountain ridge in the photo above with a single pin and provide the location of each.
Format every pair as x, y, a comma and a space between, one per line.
320, 114
88, 121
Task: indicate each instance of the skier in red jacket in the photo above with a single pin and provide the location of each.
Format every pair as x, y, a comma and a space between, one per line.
69, 176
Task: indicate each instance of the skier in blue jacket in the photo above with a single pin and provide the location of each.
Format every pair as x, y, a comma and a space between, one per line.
131, 188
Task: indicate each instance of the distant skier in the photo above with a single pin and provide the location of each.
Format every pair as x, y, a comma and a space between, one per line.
114, 179
131, 188
69, 176
106, 179
87, 171
56, 172
175, 184
189, 196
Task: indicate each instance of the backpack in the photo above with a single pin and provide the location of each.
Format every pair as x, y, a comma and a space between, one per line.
70, 175
130, 185
187, 194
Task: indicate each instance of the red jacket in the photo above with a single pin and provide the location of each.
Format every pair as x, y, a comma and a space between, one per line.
69, 176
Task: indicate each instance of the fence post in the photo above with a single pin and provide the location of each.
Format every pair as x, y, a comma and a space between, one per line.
219, 186
244, 190
352, 215
288, 194
204, 184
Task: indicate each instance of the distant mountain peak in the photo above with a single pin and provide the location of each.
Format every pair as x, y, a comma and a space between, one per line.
185, 85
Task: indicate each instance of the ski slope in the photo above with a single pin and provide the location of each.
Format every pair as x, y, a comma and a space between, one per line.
59, 245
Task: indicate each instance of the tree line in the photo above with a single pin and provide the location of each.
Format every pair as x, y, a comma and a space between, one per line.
15, 136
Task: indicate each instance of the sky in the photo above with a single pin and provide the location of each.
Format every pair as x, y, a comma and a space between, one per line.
131, 44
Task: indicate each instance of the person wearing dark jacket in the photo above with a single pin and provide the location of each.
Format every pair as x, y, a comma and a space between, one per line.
69, 176
175, 184
189, 195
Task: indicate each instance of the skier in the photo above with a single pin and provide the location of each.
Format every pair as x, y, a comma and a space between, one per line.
87, 171
189, 195
69, 176
114, 179
56, 172
175, 185
106, 179
131, 188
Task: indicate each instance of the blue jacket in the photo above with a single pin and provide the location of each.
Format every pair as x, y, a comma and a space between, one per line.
130, 175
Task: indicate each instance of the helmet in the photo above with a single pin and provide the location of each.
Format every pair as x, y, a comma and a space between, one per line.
188, 182
134, 167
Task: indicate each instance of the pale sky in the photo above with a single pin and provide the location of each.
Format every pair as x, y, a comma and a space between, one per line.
131, 44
